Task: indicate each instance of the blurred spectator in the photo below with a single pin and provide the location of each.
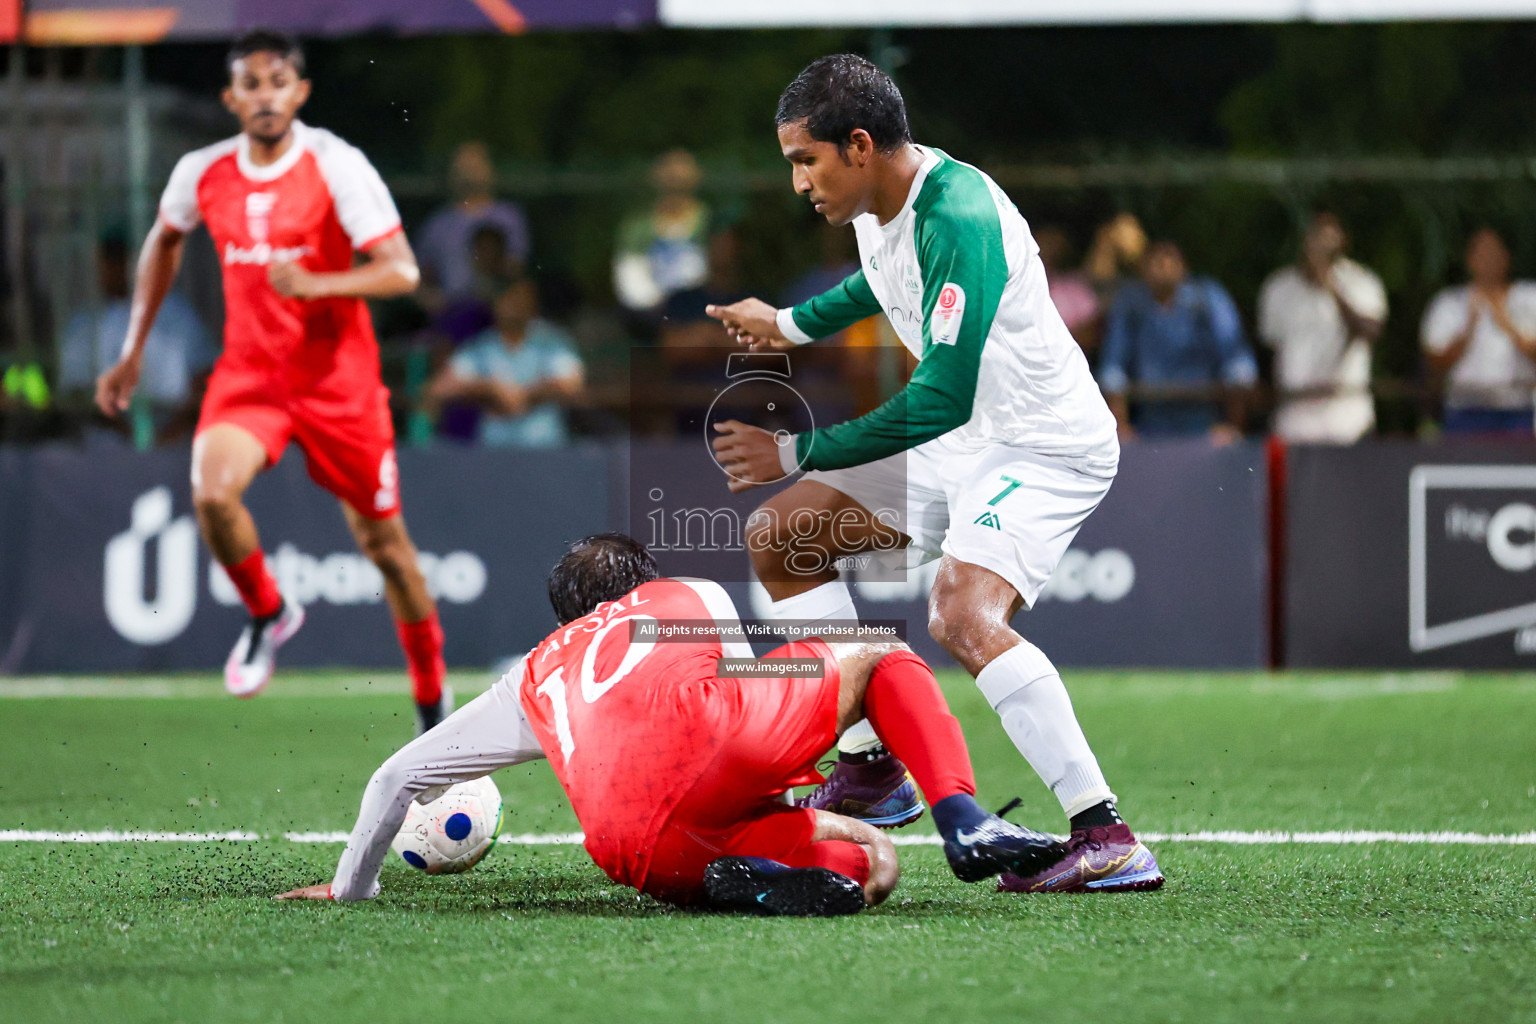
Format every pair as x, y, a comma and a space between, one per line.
177, 349
1321, 315
450, 254
661, 250
853, 363
1480, 338
1179, 342
1112, 262
838, 259
467, 313
1071, 291
518, 373
684, 324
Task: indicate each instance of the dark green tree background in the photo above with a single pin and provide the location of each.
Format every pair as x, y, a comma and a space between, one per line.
573, 119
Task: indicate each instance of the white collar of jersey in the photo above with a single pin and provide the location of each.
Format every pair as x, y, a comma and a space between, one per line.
930, 161
284, 163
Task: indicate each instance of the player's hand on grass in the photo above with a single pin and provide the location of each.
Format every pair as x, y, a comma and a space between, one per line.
115, 387
292, 281
750, 455
752, 322
309, 892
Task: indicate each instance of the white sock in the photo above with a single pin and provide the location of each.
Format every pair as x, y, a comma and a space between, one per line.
1026, 691
830, 602
858, 738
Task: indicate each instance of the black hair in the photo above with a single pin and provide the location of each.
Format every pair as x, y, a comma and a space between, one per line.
837, 94
602, 567
263, 40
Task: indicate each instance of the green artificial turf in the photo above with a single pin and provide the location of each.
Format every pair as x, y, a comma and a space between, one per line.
182, 931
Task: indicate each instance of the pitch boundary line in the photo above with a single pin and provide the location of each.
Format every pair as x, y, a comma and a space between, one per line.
1224, 837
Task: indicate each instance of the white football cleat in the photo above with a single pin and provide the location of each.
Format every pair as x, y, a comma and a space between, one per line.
250, 664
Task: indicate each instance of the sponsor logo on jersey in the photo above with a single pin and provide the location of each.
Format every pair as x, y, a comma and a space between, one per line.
262, 253
989, 519
258, 214
944, 326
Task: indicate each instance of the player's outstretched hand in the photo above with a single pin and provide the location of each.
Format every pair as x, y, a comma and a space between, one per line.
752, 322
749, 455
309, 892
115, 387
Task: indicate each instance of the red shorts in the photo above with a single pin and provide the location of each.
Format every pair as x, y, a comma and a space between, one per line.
349, 445
777, 730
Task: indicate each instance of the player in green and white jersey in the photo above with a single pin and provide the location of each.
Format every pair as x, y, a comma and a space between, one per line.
990, 459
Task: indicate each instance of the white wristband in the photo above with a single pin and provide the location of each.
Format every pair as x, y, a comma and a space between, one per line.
790, 329
789, 461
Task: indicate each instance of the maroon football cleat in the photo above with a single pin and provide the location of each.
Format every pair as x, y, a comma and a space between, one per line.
879, 792
1097, 860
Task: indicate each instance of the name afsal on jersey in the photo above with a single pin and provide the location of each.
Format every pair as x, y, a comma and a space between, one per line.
591, 623
263, 253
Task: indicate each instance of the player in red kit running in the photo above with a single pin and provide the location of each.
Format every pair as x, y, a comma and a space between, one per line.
288, 207
676, 770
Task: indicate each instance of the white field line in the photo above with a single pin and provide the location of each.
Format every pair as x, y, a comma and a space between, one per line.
17, 835
468, 684
575, 838
465, 684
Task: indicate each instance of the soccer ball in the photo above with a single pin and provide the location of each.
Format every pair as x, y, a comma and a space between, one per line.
452, 831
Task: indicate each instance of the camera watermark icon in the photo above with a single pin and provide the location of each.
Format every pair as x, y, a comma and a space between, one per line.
678, 503
760, 380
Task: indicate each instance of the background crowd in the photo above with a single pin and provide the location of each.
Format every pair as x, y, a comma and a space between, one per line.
494, 352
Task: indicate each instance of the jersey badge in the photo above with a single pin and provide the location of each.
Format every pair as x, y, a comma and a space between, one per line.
989, 519
258, 214
944, 325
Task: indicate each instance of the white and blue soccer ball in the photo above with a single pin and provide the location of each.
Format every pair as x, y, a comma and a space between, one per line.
453, 830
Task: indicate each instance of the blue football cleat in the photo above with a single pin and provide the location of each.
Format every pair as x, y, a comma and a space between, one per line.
757, 885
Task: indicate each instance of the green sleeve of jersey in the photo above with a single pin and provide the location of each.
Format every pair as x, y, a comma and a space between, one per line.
843, 306
964, 272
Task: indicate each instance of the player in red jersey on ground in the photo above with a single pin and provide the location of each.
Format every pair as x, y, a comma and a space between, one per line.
288, 207
677, 771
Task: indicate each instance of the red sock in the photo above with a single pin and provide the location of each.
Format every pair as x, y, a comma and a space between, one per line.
257, 587
423, 645
904, 704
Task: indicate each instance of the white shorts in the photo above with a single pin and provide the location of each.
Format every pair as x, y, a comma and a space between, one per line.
1002, 508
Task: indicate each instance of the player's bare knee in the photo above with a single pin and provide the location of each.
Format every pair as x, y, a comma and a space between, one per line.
945, 627
216, 501
395, 558
958, 630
